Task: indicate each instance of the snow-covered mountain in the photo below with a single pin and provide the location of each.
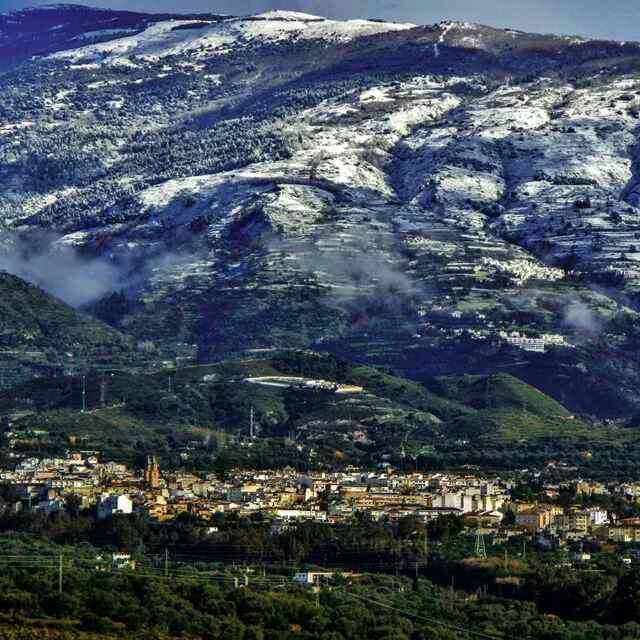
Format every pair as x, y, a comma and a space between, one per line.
449, 198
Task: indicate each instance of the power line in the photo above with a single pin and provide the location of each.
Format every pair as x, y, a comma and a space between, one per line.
21, 563
444, 625
481, 551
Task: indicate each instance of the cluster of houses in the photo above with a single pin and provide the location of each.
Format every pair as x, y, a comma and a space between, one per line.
112, 488
286, 496
551, 524
477, 326
537, 344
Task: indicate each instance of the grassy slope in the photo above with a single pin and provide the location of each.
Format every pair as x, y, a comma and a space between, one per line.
409, 393
501, 391
507, 409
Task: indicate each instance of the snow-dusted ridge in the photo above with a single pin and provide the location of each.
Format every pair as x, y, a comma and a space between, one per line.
173, 37
57, 6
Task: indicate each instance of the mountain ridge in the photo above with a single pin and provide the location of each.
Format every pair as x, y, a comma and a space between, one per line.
436, 199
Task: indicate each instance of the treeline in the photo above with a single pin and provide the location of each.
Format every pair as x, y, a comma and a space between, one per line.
124, 605
357, 540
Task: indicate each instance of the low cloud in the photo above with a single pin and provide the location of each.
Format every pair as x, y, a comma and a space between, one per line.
362, 281
59, 269
73, 276
364, 272
581, 318
364, 266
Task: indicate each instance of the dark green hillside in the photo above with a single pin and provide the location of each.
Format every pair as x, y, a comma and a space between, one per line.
40, 335
507, 409
31, 319
410, 393
200, 416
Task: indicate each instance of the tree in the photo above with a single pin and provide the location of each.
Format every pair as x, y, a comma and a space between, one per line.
625, 604
73, 505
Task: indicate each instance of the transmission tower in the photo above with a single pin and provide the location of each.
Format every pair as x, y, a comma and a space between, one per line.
481, 551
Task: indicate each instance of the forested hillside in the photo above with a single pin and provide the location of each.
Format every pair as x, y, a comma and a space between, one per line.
42, 336
310, 411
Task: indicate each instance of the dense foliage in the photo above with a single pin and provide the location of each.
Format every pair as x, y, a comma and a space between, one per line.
189, 598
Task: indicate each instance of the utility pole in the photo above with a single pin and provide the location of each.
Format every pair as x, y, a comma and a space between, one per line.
166, 562
251, 425
506, 559
524, 549
84, 394
426, 546
60, 573
103, 392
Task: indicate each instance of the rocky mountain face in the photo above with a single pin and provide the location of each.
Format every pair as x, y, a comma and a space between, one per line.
440, 199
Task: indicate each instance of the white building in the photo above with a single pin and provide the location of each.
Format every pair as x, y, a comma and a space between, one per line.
467, 503
109, 505
450, 500
122, 561
313, 578
537, 344
299, 514
597, 516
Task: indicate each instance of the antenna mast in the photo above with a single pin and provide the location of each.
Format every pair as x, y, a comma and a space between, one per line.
103, 392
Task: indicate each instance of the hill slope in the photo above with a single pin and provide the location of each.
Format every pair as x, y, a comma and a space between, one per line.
201, 415
40, 335
501, 391
45, 30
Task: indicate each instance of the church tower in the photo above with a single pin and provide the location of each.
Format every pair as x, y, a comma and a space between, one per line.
152, 473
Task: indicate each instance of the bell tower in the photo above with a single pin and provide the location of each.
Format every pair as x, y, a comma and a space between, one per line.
152, 473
